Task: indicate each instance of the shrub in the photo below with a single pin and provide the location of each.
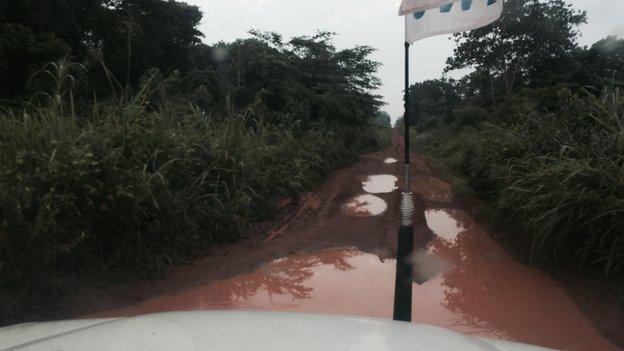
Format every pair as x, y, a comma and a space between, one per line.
557, 176
132, 186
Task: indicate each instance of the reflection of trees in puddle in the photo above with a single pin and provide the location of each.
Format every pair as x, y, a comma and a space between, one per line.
478, 287
428, 266
471, 291
489, 291
287, 276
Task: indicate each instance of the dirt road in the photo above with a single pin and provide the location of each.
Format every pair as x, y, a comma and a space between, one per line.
329, 254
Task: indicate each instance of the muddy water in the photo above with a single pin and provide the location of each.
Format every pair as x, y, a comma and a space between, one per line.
390, 160
365, 206
380, 184
442, 223
463, 281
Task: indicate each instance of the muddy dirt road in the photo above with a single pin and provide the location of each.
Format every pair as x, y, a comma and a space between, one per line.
332, 253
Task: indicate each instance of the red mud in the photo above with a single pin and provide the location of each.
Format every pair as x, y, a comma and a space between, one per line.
326, 261
432, 189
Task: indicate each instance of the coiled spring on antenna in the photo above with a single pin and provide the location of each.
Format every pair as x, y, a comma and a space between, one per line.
407, 209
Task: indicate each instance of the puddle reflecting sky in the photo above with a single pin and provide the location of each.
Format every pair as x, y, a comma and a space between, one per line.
463, 281
365, 206
443, 224
380, 184
391, 160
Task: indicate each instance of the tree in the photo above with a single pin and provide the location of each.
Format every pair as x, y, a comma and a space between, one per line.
531, 39
22, 52
72, 21
435, 97
143, 34
383, 118
600, 64
130, 37
305, 76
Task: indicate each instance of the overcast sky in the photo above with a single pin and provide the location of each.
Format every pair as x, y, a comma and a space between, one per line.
369, 22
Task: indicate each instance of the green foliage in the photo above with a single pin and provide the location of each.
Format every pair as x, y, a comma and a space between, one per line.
142, 181
556, 175
602, 62
22, 52
468, 115
130, 36
530, 134
570, 187
306, 76
532, 38
383, 119
126, 144
432, 98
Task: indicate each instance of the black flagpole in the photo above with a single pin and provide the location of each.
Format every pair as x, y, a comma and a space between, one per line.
405, 247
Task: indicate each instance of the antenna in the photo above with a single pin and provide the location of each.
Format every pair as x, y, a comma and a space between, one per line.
405, 247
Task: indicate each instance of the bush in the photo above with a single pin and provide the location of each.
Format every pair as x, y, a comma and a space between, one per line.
568, 187
133, 185
557, 176
469, 115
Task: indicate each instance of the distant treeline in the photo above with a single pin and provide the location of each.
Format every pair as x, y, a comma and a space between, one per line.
537, 130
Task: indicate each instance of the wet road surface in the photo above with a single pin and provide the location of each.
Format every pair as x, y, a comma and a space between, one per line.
463, 280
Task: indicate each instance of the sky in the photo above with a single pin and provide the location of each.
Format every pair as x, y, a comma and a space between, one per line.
370, 22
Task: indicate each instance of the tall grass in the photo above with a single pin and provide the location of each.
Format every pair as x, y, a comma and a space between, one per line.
558, 176
570, 193
127, 186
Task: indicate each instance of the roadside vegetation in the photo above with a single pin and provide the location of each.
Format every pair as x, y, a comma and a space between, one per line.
536, 130
127, 145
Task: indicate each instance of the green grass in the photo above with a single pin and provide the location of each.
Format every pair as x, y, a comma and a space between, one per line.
557, 177
126, 186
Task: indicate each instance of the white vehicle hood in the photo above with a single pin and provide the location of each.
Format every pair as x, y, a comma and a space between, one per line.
241, 331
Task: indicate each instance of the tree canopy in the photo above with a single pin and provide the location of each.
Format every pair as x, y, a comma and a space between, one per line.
129, 37
532, 38
121, 43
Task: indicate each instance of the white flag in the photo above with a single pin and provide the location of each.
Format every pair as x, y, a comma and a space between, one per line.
410, 6
451, 18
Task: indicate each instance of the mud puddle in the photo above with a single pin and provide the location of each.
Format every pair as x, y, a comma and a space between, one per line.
390, 160
488, 290
463, 281
443, 224
365, 206
380, 184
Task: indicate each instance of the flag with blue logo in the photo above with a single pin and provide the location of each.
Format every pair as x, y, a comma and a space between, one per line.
454, 17
409, 6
